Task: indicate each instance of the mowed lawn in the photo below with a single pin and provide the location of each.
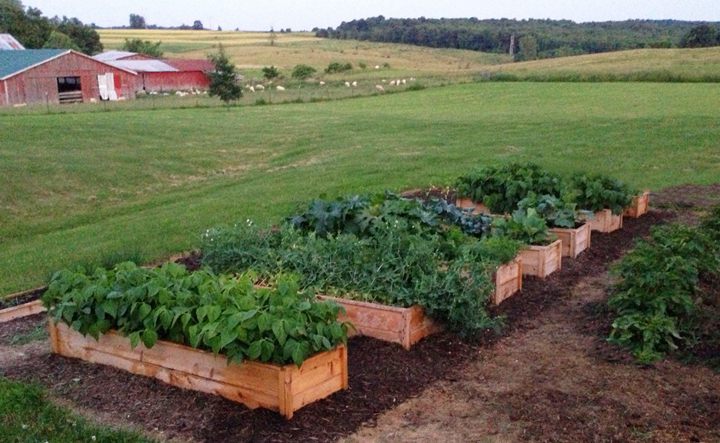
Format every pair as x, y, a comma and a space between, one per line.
79, 187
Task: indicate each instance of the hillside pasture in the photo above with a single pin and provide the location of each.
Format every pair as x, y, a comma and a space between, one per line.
81, 187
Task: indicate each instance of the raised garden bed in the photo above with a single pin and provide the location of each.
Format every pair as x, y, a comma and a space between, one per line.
639, 207
478, 208
605, 221
282, 388
541, 261
404, 326
20, 311
574, 241
508, 280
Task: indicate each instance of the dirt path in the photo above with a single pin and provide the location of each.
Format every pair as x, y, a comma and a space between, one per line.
559, 381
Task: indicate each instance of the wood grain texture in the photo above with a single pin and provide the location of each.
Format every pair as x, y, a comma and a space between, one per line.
282, 388
605, 221
639, 207
542, 261
20, 311
574, 241
508, 280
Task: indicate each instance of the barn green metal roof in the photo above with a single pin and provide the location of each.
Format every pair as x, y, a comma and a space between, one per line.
12, 62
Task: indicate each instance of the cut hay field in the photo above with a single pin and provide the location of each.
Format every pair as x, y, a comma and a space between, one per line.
701, 64
252, 51
80, 187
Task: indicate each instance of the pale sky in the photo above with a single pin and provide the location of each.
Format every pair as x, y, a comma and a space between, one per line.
305, 14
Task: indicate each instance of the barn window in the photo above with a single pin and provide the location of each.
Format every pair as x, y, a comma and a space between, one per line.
69, 89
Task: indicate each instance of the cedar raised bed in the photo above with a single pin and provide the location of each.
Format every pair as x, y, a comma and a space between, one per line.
404, 326
541, 261
640, 206
508, 280
574, 241
605, 221
466, 203
284, 388
20, 311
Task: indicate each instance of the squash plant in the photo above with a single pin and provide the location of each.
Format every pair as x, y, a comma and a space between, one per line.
223, 314
502, 188
524, 226
598, 192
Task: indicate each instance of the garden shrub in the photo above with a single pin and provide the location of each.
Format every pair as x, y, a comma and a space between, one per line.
597, 192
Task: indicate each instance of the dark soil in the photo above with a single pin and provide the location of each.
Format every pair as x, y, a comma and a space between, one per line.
192, 261
20, 327
26, 297
381, 375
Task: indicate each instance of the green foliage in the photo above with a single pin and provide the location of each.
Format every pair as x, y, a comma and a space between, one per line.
655, 299
528, 48
34, 30
557, 212
143, 47
58, 40
223, 314
302, 72
701, 36
502, 188
450, 276
711, 224
524, 226
27, 415
416, 87
337, 67
137, 21
360, 215
553, 38
270, 72
597, 192
223, 80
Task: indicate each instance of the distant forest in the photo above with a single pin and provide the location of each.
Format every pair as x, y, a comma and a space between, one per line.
532, 38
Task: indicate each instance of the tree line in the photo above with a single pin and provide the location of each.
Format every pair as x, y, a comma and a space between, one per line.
526, 39
34, 31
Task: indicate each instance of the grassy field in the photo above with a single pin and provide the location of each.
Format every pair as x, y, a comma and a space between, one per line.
79, 187
642, 64
252, 50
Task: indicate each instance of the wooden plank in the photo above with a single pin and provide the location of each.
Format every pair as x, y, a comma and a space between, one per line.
478, 208
508, 280
605, 221
639, 206
251, 383
20, 311
574, 241
404, 326
542, 261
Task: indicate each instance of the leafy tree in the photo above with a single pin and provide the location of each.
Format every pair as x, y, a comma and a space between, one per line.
198, 25
528, 48
58, 40
85, 37
702, 36
270, 72
302, 72
137, 21
28, 26
223, 81
143, 47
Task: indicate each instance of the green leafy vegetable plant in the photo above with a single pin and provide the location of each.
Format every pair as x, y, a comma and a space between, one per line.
597, 192
655, 298
224, 314
502, 188
557, 212
524, 226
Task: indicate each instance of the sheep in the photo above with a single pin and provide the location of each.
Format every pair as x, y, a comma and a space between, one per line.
404, 82
252, 89
354, 84
280, 88
377, 66
380, 88
392, 83
412, 79
347, 84
384, 81
259, 88
322, 83
397, 82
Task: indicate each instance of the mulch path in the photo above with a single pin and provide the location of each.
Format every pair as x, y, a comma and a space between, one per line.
381, 375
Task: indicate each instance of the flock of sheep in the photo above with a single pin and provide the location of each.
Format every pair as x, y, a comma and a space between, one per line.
379, 87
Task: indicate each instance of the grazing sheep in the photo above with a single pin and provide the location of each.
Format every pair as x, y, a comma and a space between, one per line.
259, 88
380, 88
322, 83
347, 84
384, 81
397, 82
377, 66
392, 83
404, 82
412, 79
252, 89
280, 88
354, 84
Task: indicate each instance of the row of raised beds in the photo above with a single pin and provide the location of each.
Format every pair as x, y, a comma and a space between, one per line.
283, 300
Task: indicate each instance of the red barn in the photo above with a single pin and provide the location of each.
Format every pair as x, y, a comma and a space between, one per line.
162, 75
60, 76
